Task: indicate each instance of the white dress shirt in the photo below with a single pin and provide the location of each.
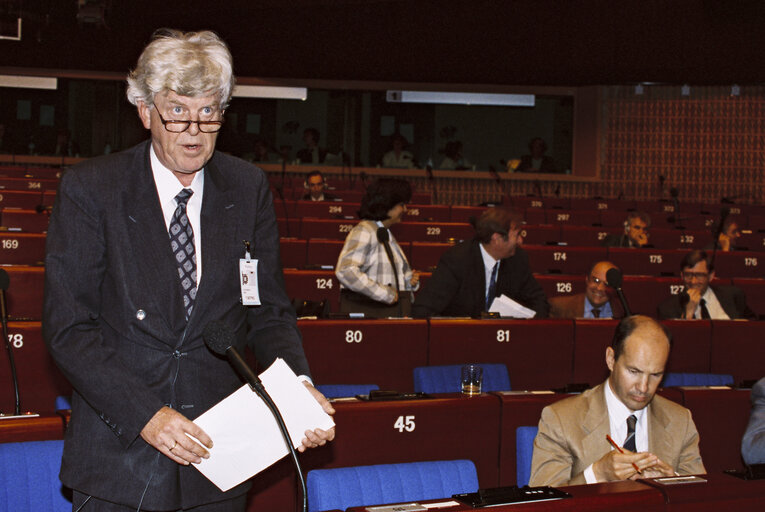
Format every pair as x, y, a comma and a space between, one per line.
168, 187
716, 311
488, 267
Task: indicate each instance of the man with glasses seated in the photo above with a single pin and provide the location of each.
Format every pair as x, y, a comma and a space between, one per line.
700, 300
597, 300
144, 250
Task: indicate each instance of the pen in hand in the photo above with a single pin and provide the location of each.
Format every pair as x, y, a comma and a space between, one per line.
608, 438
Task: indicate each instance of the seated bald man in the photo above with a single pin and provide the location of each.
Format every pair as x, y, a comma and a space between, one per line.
657, 435
597, 301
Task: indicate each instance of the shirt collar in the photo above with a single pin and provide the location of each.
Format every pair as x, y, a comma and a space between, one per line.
488, 259
605, 309
617, 411
168, 185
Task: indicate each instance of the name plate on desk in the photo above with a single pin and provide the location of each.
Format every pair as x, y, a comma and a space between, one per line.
401, 507
679, 480
510, 494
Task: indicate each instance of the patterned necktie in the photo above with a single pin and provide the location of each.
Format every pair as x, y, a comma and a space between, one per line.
492, 286
595, 312
704, 310
182, 244
629, 443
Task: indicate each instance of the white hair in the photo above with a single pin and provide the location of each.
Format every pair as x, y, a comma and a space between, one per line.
188, 63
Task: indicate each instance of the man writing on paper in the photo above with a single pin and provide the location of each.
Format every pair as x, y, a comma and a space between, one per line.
657, 436
143, 252
473, 273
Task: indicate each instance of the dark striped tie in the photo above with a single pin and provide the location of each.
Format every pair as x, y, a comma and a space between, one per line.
629, 443
704, 310
182, 244
492, 286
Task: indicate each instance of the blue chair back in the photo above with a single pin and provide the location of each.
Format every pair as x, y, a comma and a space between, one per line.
343, 390
340, 488
524, 449
446, 379
29, 478
63, 403
697, 379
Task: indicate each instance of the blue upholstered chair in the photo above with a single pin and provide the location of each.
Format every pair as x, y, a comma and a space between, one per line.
524, 449
697, 379
29, 477
63, 403
340, 488
446, 379
343, 390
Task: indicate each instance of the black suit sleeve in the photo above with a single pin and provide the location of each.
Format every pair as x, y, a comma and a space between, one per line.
440, 290
75, 268
273, 331
529, 292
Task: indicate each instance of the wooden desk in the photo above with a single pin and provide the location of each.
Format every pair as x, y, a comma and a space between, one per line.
616, 496
40, 428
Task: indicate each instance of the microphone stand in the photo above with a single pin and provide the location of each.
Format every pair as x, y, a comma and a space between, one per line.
4, 282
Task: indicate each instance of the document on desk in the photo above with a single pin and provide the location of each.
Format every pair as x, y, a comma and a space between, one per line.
506, 306
246, 437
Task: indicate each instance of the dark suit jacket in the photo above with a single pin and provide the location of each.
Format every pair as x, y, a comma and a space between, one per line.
617, 241
753, 443
572, 435
732, 300
572, 306
114, 320
458, 285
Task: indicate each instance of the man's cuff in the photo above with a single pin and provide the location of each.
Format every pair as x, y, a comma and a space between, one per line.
305, 378
589, 475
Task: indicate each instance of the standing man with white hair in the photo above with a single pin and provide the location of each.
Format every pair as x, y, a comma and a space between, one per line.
144, 250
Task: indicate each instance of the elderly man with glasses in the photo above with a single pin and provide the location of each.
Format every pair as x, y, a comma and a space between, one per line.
702, 300
144, 250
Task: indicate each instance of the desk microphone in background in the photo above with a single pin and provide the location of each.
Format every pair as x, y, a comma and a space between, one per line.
220, 339
5, 280
614, 280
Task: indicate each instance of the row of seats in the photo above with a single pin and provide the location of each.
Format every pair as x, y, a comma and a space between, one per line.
446, 213
539, 354
644, 293
543, 259
483, 429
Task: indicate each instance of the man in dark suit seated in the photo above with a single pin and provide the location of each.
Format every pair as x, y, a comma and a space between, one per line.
656, 436
471, 274
126, 302
753, 443
597, 301
702, 300
635, 232
316, 187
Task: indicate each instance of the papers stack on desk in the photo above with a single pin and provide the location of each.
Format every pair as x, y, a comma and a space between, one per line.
506, 306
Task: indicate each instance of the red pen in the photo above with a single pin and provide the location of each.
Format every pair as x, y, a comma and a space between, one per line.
608, 438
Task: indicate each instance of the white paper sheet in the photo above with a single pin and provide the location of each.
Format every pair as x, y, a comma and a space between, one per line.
246, 437
506, 306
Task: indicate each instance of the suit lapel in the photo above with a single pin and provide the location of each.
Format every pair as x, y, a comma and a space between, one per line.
596, 423
218, 220
150, 244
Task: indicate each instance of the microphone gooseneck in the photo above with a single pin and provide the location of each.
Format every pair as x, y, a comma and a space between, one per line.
219, 338
614, 280
5, 281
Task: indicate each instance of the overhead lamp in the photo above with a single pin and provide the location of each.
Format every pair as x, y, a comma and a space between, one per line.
735, 90
461, 98
639, 90
269, 91
685, 90
29, 82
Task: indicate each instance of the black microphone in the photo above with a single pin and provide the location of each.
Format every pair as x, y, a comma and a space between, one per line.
219, 338
5, 281
614, 280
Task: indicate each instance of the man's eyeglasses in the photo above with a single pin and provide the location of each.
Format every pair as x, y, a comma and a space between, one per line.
696, 275
177, 126
597, 281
